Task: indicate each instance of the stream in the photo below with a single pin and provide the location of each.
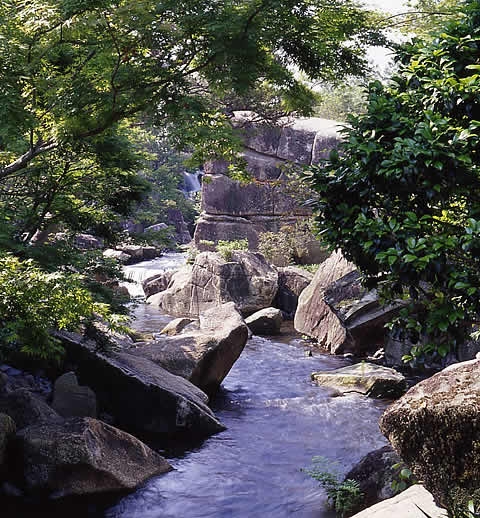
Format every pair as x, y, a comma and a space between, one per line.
276, 420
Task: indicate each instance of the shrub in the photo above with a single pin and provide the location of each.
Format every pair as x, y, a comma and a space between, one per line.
226, 248
402, 198
34, 303
288, 246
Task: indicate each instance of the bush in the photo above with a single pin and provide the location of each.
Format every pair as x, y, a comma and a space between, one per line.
402, 198
226, 248
34, 303
288, 246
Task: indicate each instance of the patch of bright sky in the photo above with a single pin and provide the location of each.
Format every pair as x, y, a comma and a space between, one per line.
380, 56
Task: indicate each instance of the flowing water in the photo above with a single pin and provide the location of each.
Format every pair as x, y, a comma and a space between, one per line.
277, 420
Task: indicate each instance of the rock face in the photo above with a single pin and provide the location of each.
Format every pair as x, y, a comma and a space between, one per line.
157, 283
360, 313
314, 317
204, 357
72, 400
366, 378
81, 456
247, 280
232, 210
265, 322
142, 396
375, 475
291, 282
415, 502
182, 234
435, 428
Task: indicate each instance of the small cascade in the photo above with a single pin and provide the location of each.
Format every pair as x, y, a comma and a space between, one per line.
137, 273
191, 182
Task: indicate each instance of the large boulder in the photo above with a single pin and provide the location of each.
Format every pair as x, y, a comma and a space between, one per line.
82, 456
247, 280
435, 428
204, 357
415, 502
365, 378
142, 396
73, 400
265, 322
375, 475
157, 283
360, 313
314, 317
291, 282
26, 409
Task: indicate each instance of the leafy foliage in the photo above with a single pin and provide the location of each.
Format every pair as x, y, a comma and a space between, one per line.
78, 77
226, 248
403, 477
34, 303
402, 197
288, 246
73, 69
345, 497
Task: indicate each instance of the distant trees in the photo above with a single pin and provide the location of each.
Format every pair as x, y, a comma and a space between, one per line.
402, 198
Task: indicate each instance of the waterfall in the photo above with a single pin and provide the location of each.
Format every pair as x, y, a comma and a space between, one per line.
191, 182
137, 273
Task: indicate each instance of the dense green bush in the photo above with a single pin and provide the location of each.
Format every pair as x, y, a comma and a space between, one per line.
33, 303
402, 198
288, 246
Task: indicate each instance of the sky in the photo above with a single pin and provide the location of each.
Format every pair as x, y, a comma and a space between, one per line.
393, 6
378, 55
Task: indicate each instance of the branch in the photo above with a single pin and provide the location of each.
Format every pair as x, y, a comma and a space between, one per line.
38, 149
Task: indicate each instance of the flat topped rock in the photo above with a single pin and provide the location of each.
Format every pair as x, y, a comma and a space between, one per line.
205, 356
414, 502
366, 378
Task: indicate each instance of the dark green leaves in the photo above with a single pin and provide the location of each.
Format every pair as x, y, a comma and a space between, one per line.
402, 199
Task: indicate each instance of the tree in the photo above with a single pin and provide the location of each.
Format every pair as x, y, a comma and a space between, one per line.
402, 196
77, 76
73, 68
